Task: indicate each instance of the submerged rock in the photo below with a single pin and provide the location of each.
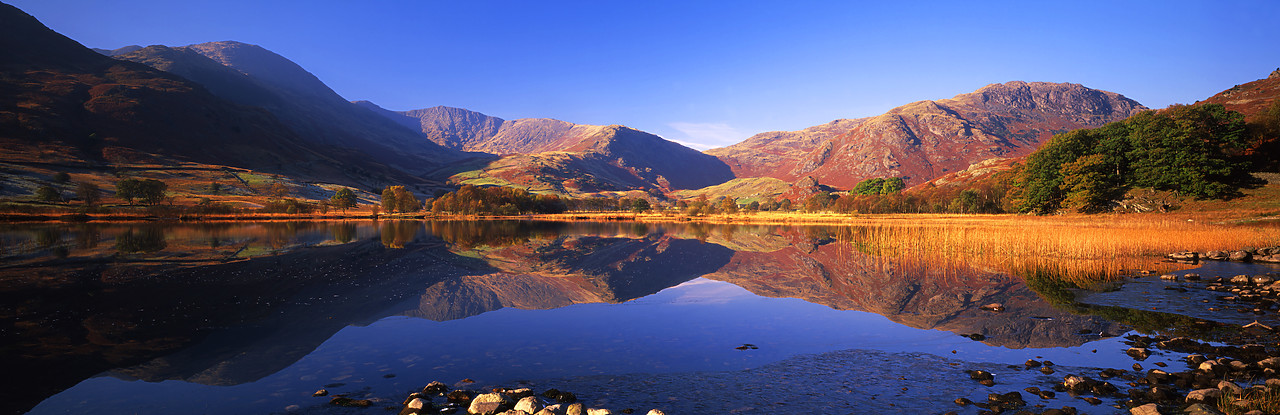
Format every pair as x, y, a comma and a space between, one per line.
348, 402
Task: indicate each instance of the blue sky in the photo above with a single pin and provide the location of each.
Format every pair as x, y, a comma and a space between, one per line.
709, 73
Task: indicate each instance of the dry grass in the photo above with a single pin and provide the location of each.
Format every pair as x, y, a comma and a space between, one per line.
1079, 248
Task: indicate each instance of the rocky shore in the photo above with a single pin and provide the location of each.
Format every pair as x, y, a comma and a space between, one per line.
438, 398
1232, 371
1264, 255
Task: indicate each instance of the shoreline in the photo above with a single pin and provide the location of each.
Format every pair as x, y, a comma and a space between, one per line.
760, 218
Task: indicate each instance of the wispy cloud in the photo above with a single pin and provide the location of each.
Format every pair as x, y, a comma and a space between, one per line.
706, 135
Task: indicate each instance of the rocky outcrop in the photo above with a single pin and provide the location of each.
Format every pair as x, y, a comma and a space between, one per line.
927, 139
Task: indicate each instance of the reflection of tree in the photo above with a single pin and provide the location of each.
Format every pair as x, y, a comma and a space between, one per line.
147, 239
280, 234
344, 232
395, 234
470, 234
87, 237
48, 237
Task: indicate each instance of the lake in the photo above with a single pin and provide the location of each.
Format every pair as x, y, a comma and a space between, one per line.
254, 317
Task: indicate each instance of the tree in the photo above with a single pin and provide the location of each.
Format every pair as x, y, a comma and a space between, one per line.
640, 205
343, 199
870, 186
151, 192
1090, 184
818, 202
128, 189
48, 194
729, 206
406, 201
892, 185
278, 190
389, 199
88, 193
61, 177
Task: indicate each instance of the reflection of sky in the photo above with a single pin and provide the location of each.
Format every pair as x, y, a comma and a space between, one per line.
691, 327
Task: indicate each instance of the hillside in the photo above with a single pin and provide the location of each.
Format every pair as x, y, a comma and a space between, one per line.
251, 75
556, 156
927, 139
61, 103
1252, 99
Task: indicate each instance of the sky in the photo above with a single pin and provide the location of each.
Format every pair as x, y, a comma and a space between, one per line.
703, 73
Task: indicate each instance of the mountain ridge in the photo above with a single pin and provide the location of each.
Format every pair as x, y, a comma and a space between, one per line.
546, 154
254, 76
923, 140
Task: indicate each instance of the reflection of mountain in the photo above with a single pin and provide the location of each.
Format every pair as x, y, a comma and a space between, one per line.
557, 272
206, 314
917, 294
551, 271
220, 323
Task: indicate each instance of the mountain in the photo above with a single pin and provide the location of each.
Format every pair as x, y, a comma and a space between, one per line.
553, 155
926, 139
251, 75
63, 104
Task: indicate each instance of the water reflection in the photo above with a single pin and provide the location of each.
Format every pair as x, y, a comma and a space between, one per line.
232, 303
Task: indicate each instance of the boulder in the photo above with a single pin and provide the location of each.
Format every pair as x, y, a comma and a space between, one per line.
1229, 387
417, 403
1241, 279
1201, 409
1169, 277
1148, 409
1204, 395
1184, 256
656, 412
598, 411
1139, 353
435, 387
1262, 279
322, 392
529, 404
556, 409
575, 409
1240, 256
1273, 258
489, 404
1216, 255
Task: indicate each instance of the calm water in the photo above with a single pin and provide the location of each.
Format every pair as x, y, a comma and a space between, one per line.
255, 317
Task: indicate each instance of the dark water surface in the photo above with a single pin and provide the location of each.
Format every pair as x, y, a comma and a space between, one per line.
255, 317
